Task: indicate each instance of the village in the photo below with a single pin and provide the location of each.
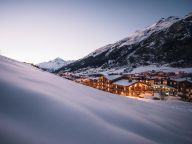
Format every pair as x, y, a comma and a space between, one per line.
156, 85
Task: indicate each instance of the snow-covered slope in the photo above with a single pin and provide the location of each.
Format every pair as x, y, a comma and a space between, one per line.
139, 35
140, 69
53, 65
37, 107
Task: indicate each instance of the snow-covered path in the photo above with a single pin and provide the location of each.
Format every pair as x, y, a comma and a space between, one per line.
40, 108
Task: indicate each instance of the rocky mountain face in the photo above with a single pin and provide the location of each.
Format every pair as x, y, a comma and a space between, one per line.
168, 42
53, 65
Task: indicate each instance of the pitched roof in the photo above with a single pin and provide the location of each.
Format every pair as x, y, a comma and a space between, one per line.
112, 77
125, 82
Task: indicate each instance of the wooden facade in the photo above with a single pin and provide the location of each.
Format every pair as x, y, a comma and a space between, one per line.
184, 88
134, 88
139, 86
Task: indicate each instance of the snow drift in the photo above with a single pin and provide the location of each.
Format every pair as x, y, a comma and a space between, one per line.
37, 107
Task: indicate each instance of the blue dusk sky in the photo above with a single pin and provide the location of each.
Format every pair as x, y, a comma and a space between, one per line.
40, 30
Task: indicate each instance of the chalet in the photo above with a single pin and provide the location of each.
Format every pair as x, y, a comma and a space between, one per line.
154, 80
105, 82
117, 84
136, 86
185, 90
183, 86
130, 87
164, 90
148, 80
91, 81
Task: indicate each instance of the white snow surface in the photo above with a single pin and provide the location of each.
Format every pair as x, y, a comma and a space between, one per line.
124, 82
37, 107
161, 68
140, 69
53, 65
111, 77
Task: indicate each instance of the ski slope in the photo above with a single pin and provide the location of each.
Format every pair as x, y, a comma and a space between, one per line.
37, 107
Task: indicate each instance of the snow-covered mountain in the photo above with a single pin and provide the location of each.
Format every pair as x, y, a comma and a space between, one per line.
168, 42
53, 65
38, 107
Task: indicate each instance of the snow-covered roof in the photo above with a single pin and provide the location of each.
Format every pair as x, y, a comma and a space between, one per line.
125, 82
112, 77
182, 79
93, 78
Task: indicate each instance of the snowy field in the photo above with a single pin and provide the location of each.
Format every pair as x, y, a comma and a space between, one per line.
37, 107
161, 68
139, 69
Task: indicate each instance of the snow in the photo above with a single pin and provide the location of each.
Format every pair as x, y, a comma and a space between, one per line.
172, 102
188, 15
111, 77
124, 82
135, 38
54, 65
182, 79
138, 35
139, 69
161, 68
38, 107
99, 51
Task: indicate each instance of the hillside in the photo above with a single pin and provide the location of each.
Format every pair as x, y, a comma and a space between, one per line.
38, 107
167, 42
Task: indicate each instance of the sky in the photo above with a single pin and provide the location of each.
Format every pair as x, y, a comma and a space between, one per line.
40, 30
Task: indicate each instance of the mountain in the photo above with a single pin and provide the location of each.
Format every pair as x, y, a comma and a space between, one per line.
53, 65
168, 42
41, 108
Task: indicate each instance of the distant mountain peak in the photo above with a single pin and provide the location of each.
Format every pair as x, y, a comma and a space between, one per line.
58, 59
53, 65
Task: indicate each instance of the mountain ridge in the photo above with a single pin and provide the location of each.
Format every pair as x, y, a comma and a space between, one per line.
166, 42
